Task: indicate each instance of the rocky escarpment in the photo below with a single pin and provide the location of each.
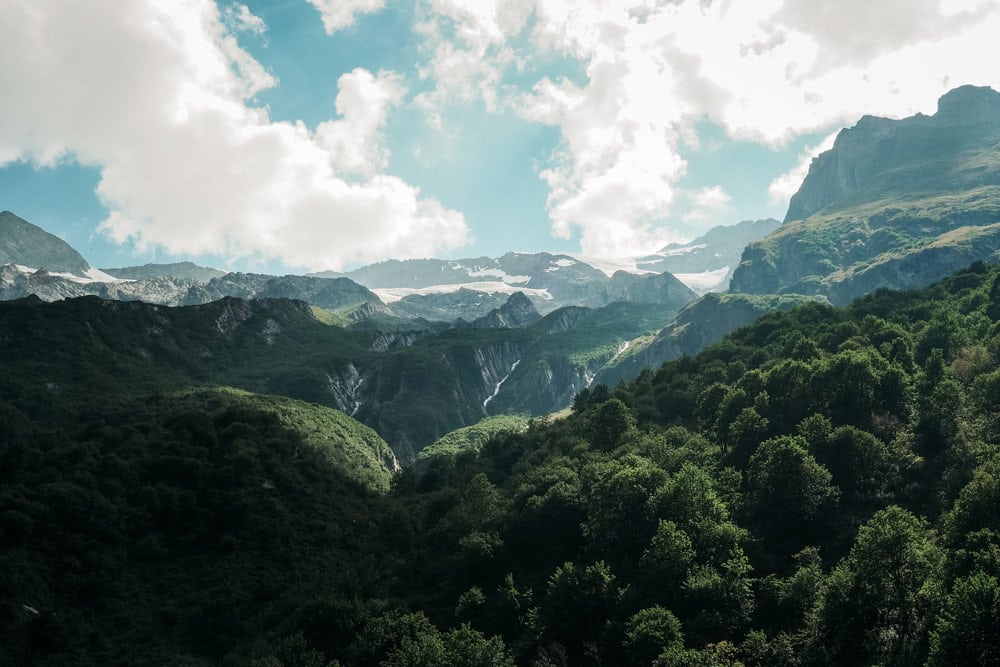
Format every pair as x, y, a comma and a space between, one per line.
878, 154
180, 270
696, 327
345, 387
496, 363
662, 288
24, 243
895, 203
952, 250
546, 383
517, 313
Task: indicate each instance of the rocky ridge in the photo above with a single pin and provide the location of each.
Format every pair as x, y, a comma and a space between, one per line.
894, 203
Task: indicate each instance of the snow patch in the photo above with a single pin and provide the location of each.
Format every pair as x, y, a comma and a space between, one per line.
682, 250
705, 281
391, 294
561, 263
98, 276
609, 266
92, 275
500, 275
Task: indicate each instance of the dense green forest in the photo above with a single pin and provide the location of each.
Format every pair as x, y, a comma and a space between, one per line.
820, 488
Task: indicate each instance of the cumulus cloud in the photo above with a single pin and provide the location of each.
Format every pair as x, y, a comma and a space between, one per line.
154, 93
241, 19
364, 102
783, 187
465, 45
708, 205
340, 14
765, 71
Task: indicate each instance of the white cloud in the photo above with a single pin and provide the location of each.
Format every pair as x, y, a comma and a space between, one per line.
241, 19
766, 71
340, 14
783, 187
707, 206
467, 55
154, 94
364, 102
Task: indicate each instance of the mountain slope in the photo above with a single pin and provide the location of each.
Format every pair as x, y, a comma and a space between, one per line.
695, 327
894, 204
24, 243
707, 262
227, 509
411, 386
818, 488
441, 289
181, 270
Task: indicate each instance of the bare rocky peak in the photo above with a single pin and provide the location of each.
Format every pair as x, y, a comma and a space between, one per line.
965, 117
29, 245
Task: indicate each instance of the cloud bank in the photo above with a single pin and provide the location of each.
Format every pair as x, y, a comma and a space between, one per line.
766, 71
158, 95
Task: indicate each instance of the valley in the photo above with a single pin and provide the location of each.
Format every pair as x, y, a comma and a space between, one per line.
776, 444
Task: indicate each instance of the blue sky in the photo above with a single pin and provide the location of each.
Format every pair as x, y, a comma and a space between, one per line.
291, 135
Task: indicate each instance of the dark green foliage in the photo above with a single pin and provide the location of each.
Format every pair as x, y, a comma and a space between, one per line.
966, 632
650, 632
180, 535
879, 601
819, 488
579, 601
790, 497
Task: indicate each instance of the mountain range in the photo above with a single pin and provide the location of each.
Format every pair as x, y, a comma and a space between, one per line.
438, 290
439, 344
290, 471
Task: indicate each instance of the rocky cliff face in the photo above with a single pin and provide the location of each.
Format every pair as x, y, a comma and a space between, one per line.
495, 364
883, 207
545, 383
179, 270
696, 327
517, 313
867, 154
662, 288
24, 243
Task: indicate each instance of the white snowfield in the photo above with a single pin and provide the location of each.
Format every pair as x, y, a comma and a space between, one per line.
91, 276
701, 283
499, 274
683, 250
609, 266
705, 281
391, 294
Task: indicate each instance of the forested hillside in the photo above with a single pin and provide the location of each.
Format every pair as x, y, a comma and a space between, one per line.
820, 488
79, 355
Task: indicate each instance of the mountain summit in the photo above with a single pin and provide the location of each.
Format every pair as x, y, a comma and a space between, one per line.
881, 157
29, 245
894, 203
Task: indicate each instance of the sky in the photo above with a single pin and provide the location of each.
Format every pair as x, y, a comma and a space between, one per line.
307, 135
